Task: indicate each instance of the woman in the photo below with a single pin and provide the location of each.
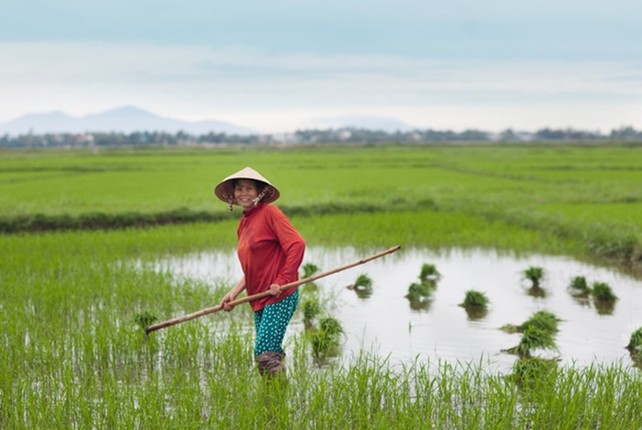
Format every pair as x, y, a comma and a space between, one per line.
270, 251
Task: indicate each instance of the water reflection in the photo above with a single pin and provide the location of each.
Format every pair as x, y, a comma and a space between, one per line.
436, 328
362, 293
604, 307
475, 313
420, 304
537, 292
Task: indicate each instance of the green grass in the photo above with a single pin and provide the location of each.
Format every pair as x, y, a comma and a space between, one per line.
586, 196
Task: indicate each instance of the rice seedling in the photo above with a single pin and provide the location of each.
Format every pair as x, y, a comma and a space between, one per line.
635, 342
419, 295
311, 310
331, 325
603, 298
535, 275
602, 292
310, 269
475, 299
579, 286
70, 301
542, 320
362, 286
533, 338
145, 319
429, 273
363, 281
475, 304
326, 341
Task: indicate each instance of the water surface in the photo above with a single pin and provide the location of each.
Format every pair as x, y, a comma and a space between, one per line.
386, 324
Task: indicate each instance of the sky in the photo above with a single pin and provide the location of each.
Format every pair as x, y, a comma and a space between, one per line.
275, 66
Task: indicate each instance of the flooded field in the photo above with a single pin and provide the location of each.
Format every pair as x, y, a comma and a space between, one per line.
385, 323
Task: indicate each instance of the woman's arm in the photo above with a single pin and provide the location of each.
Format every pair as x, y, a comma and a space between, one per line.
292, 244
232, 294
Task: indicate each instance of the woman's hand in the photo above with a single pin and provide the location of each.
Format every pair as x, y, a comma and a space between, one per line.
275, 290
234, 292
225, 302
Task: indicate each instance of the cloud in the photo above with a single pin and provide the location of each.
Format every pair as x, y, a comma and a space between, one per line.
259, 88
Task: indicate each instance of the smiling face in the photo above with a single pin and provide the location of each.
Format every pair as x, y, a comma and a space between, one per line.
245, 191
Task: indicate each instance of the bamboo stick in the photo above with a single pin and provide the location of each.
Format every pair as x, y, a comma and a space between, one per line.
245, 299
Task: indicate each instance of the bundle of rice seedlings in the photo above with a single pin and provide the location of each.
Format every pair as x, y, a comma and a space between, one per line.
310, 269
419, 292
543, 320
602, 292
579, 286
534, 338
363, 283
311, 309
535, 275
635, 343
429, 273
326, 341
145, 319
475, 299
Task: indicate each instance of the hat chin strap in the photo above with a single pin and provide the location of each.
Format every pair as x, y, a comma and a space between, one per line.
262, 194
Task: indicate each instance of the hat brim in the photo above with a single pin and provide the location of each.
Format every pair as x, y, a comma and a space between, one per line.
225, 189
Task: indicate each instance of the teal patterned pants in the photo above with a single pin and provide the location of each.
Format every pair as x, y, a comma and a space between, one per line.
271, 322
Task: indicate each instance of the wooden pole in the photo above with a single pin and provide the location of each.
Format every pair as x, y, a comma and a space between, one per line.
245, 299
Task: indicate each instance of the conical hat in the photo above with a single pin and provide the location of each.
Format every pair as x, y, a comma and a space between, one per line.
225, 189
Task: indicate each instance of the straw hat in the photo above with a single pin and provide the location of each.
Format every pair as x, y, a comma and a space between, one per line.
225, 189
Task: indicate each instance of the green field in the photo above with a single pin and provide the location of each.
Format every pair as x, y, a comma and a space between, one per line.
74, 356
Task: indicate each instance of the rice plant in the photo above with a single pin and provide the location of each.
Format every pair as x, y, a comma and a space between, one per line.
331, 325
604, 298
579, 286
311, 310
429, 273
363, 281
310, 269
475, 299
362, 286
603, 292
533, 338
145, 319
327, 340
535, 275
538, 332
543, 320
475, 304
419, 295
635, 343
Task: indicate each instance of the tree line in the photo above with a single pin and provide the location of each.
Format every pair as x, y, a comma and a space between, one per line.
345, 135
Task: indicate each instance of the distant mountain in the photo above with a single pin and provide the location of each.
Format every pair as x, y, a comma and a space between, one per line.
125, 119
380, 123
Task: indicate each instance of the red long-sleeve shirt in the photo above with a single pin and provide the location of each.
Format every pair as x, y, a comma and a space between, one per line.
270, 251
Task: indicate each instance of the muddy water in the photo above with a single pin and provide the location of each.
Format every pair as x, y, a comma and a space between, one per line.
386, 324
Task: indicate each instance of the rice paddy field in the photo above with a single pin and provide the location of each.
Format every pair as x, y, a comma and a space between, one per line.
94, 246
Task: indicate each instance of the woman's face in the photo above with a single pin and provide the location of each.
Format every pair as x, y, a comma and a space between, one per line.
244, 192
